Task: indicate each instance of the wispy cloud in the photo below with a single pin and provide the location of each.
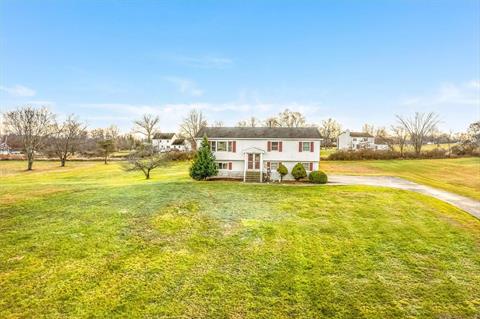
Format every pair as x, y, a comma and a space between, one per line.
204, 62
185, 86
449, 94
18, 90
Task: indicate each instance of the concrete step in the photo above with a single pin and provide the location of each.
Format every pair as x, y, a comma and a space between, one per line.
252, 177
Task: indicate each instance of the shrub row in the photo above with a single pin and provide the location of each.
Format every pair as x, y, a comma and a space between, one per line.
387, 155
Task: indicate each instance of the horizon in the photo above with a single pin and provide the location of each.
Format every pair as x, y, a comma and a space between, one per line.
354, 62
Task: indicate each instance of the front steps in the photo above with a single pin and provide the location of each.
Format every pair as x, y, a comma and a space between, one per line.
252, 177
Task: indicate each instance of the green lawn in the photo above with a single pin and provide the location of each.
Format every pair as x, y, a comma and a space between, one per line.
91, 241
461, 175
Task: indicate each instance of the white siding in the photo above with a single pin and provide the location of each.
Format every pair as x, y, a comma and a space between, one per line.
289, 155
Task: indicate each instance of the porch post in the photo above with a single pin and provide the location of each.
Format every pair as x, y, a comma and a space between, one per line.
245, 160
261, 167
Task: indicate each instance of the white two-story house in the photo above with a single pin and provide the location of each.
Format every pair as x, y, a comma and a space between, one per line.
253, 152
166, 142
163, 141
355, 141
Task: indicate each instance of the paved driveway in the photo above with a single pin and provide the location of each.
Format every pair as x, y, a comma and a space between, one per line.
469, 205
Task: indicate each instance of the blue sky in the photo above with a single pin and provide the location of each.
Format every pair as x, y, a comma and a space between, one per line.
355, 61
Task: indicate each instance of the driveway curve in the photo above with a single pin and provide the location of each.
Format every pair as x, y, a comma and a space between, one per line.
469, 205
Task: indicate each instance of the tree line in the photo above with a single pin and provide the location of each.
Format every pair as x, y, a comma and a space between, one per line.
36, 130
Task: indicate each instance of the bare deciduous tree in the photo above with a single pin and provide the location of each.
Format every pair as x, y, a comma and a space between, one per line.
330, 129
400, 137
272, 122
218, 124
106, 140
67, 137
147, 126
146, 160
291, 119
191, 125
33, 125
251, 122
419, 127
368, 128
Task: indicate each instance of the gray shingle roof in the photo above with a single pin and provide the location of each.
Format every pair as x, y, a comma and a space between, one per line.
260, 132
178, 141
163, 136
360, 134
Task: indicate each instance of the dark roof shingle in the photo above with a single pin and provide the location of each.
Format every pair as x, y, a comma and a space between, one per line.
360, 134
163, 136
260, 132
178, 141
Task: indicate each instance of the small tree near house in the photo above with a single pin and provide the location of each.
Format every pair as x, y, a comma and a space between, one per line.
203, 165
299, 172
282, 170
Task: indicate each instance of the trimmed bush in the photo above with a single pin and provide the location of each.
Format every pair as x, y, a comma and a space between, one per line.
318, 177
299, 172
282, 170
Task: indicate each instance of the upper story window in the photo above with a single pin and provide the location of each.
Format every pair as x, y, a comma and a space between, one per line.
223, 146
306, 146
275, 146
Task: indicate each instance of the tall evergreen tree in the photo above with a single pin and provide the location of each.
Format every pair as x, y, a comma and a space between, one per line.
203, 165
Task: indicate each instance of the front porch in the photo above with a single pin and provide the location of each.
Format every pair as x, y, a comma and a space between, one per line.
253, 165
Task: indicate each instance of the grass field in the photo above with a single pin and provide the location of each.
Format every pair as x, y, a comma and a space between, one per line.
91, 241
461, 176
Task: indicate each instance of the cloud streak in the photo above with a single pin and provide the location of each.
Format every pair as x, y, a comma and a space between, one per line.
185, 86
204, 62
449, 94
18, 91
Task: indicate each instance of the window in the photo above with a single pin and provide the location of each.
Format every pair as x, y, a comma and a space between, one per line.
221, 146
213, 146
274, 165
275, 146
306, 166
306, 146
222, 165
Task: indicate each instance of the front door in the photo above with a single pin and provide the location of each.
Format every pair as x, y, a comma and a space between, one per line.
254, 162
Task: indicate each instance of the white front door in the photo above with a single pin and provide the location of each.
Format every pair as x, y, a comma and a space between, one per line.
253, 162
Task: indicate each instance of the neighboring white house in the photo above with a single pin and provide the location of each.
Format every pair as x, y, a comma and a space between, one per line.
4, 149
165, 142
249, 153
358, 141
180, 144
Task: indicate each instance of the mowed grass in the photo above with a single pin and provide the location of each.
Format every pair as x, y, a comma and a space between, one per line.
92, 241
460, 175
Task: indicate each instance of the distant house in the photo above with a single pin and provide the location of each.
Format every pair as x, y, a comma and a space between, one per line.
360, 140
165, 142
382, 144
4, 148
253, 153
180, 144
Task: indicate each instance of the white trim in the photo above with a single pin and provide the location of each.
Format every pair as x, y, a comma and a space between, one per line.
254, 150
